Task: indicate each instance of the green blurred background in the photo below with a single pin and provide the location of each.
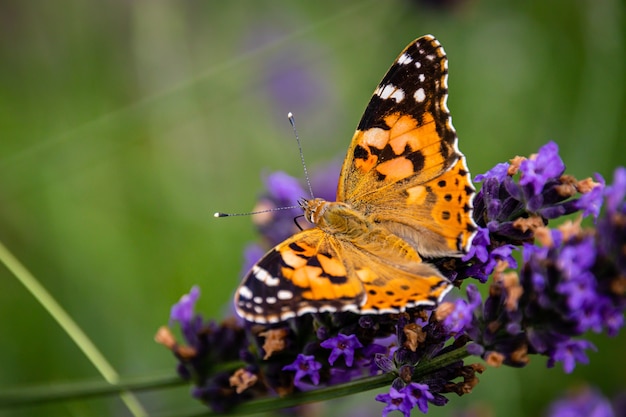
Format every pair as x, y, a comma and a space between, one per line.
124, 125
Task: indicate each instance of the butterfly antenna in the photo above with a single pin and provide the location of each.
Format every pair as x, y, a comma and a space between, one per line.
295, 132
251, 213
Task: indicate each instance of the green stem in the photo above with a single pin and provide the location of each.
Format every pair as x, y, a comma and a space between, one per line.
15, 397
64, 392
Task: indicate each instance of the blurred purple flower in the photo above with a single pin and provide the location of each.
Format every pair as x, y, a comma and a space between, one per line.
584, 403
184, 313
569, 353
283, 190
461, 319
590, 203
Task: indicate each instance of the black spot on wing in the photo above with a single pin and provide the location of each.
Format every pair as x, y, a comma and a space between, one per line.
417, 159
295, 247
360, 153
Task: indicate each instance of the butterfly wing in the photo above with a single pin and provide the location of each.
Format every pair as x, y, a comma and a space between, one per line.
403, 167
306, 273
314, 271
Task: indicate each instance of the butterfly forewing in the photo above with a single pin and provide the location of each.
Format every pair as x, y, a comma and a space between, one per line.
403, 166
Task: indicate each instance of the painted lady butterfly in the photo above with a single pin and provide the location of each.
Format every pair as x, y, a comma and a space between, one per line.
404, 194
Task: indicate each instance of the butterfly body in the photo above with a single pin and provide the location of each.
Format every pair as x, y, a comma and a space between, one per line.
404, 194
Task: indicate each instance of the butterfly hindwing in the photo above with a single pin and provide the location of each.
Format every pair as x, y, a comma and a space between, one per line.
314, 272
304, 274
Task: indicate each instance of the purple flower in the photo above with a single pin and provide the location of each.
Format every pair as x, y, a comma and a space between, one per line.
482, 258
396, 400
498, 172
324, 180
284, 188
590, 203
612, 226
406, 398
183, 313
545, 166
372, 355
462, 317
586, 403
421, 394
616, 192
571, 281
283, 191
569, 353
342, 345
304, 366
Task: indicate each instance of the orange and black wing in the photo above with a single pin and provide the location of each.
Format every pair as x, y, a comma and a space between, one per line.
403, 167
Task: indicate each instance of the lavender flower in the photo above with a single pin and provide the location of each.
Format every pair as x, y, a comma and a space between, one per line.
612, 227
483, 257
342, 345
567, 286
462, 318
183, 313
510, 209
584, 403
538, 171
406, 398
571, 280
283, 191
305, 366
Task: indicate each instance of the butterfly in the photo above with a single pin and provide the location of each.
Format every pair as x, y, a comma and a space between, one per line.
404, 196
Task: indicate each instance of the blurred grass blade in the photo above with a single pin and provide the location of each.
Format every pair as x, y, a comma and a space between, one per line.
69, 326
39, 394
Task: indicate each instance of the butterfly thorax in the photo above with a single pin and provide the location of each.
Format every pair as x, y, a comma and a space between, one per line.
349, 225
335, 218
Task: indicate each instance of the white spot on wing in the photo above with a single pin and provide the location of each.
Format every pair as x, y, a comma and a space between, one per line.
308, 309
390, 91
284, 295
419, 95
405, 59
264, 276
257, 300
244, 292
287, 315
270, 300
421, 77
